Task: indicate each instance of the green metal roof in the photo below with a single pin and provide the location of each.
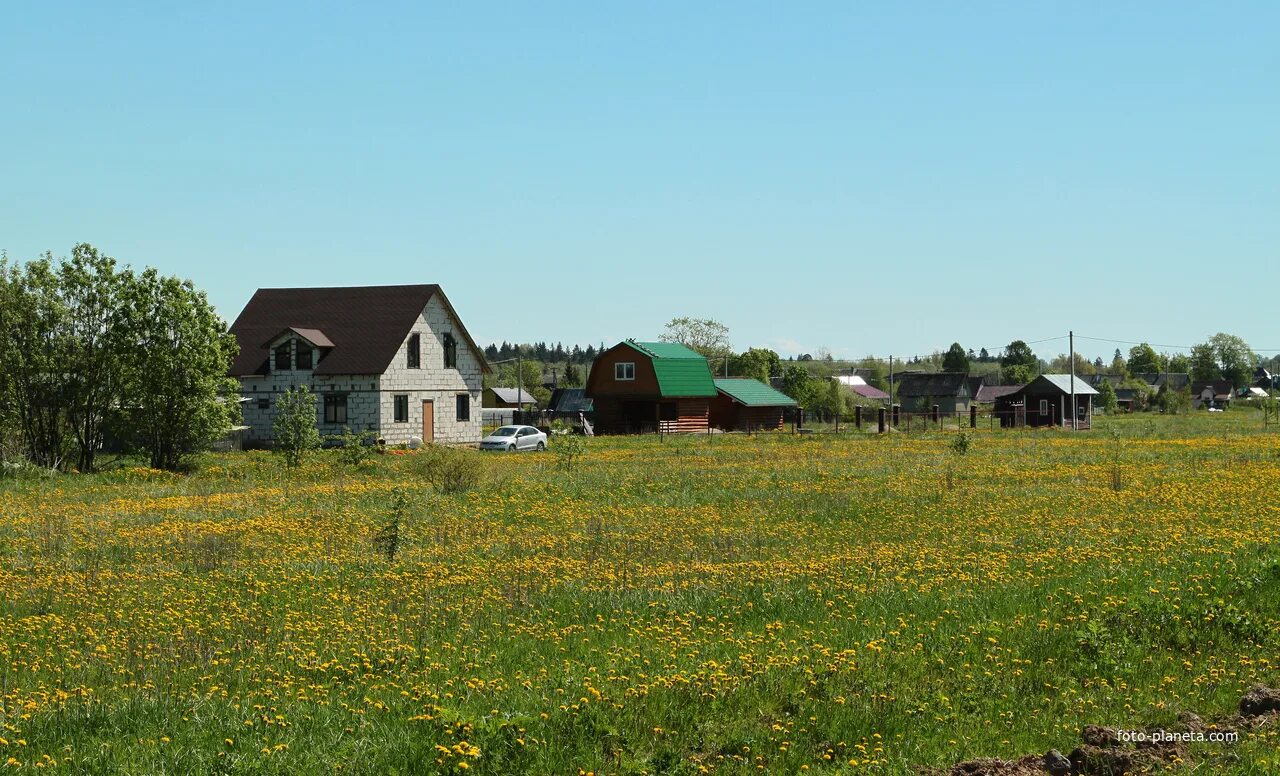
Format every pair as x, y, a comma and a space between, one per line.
666, 349
753, 393
681, 371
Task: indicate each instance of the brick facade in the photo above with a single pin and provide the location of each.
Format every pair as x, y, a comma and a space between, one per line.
371, 398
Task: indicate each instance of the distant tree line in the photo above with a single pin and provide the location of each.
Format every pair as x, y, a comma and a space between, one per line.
91, 352
542, 351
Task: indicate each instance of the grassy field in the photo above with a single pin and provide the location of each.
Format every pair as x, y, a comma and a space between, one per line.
730, 604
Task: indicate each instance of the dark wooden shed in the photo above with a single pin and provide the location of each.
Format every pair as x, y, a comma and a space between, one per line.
1046, 401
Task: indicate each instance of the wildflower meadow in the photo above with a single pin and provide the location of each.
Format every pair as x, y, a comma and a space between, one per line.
778, 603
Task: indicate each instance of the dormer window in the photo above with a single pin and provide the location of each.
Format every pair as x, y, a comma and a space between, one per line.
304, 356
282, 358
450, 352
414, 352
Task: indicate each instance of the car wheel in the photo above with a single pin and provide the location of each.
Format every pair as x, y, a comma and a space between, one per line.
511, 448
542, 445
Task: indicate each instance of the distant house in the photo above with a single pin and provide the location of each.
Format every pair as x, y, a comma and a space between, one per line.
859, 386
643, 387
1046, 401
508, 398
1211, 393
1263, 379
746, 404
1126, 398
394, 360
1177, 381
920, 391
975, 384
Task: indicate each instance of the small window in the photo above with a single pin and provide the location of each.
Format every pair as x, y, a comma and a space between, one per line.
335, 408
450, 352
1044, 406
282, 358
464, 407
402, 408
264, 404
624, 370
415, 351
304, 356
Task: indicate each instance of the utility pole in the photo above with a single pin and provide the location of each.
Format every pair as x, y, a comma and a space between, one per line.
1071, 340
891, 386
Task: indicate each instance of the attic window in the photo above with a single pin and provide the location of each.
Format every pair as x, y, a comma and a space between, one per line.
450, 352
304, 356
282, 357
414, 360
624, 370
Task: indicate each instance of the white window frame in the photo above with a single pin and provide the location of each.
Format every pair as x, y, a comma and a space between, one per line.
1044, 406
620, 374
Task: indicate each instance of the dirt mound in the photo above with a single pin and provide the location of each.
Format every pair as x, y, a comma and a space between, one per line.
990, 766
1260, 701
1105, 752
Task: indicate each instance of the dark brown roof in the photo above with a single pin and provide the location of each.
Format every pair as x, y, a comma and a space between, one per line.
934, 384
314, 336
989, 393
365, 324
1222, 389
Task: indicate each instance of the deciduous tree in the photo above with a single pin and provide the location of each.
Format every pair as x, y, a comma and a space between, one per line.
179, 398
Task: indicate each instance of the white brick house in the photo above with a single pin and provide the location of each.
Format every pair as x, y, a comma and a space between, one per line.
395, 360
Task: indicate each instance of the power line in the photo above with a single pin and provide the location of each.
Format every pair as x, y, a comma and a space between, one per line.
1157, 345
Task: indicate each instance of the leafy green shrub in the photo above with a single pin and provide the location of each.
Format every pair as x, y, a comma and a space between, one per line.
450, 470
354, 449
569, 448
962, 442
295, 425
387, 539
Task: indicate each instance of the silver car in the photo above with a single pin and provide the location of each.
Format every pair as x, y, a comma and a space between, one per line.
513, 438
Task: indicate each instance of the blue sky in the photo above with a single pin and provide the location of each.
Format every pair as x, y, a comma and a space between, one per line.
869, 178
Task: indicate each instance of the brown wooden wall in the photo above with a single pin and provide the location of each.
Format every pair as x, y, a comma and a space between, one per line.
692, 415
623, 416
731, 416
601, 383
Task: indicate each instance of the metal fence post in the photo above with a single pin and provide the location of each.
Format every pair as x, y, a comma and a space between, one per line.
880, 419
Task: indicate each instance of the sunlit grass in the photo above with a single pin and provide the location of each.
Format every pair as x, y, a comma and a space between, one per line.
842, 603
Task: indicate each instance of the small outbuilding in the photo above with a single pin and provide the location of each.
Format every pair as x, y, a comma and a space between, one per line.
508, 398
746, 404
643, 387
1046, 401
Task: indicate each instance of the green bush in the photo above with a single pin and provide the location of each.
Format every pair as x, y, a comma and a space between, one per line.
295, 425
354, 449
569, 448
448, 470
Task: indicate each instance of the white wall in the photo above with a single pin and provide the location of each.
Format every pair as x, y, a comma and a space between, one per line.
433, 381
371, 398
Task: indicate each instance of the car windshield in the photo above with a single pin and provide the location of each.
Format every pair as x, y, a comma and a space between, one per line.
506, 431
